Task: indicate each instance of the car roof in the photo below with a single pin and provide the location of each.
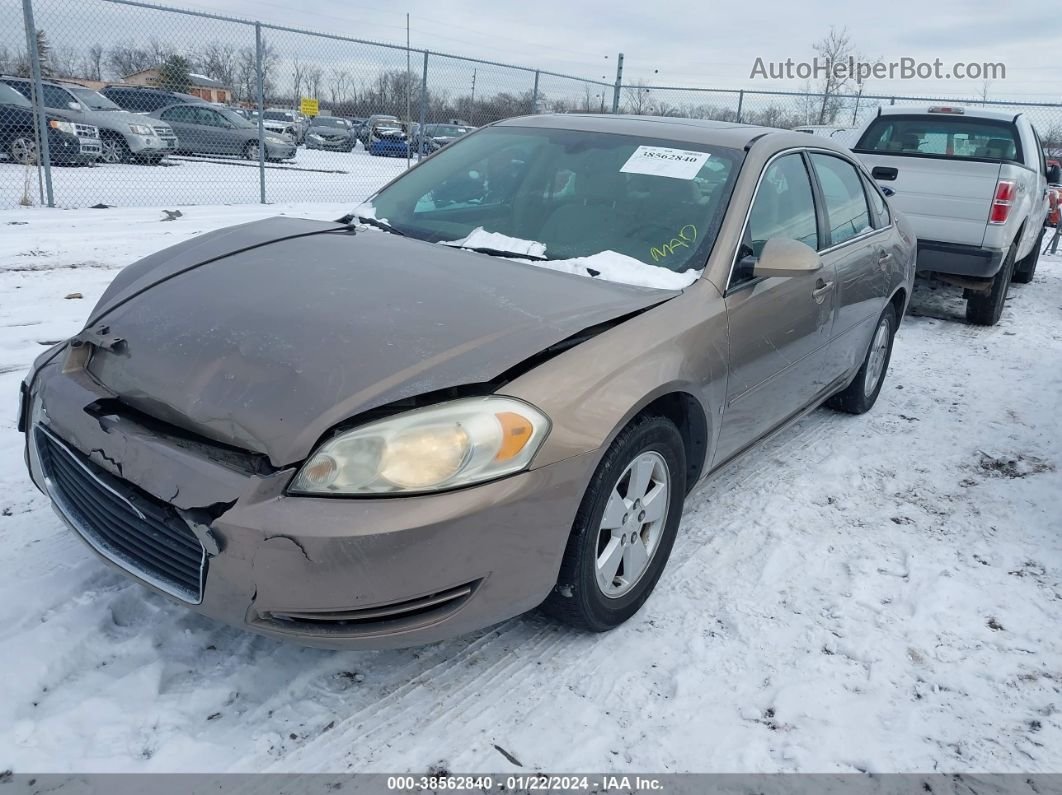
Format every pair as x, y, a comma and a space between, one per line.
967, 112
694, 131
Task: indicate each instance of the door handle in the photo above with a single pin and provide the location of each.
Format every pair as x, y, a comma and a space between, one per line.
821, 288
883, 259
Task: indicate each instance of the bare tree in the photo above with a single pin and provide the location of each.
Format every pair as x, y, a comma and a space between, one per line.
93, 64
219, 60
314, 76
985, 85
338, 85
297, 76
636, 98
834, 48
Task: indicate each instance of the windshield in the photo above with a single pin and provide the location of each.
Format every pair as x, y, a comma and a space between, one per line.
574, 194
9, 96
330, 121
949, 136
93, 99
236, 119
447, 131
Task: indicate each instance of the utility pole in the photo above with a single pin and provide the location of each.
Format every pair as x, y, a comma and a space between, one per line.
472, 103
619, 83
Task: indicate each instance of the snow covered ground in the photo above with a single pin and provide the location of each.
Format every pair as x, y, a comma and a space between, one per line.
876, 593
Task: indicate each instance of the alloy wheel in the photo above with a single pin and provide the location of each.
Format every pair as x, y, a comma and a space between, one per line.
879, 348
24, 151
632, 524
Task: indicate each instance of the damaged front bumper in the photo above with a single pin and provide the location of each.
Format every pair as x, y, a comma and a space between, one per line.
212, 527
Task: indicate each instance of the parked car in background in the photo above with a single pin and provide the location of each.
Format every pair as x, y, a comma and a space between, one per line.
330, 132
283, 123
378, 119
69, 143
436, 136
124, 136
388, 138
208, 130
145, 99
439, 422
973, 183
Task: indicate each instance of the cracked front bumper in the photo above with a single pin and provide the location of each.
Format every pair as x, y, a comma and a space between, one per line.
331, 572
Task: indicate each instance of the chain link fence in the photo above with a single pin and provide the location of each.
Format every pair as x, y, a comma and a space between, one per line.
122, 103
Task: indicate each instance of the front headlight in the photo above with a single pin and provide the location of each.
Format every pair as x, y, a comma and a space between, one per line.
62, 126
274, 140
140, 129
440, 447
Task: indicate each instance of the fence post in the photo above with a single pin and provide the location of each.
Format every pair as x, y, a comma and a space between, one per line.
44, 155
892, 101
741, 103
619, 84
260, 90
534, 95
423, 106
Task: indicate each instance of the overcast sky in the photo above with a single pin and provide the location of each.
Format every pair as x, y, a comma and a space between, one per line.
692, 42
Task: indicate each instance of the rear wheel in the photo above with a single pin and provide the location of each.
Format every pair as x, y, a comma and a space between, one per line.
625, 528
985, 309
1026, 267
862, 393
23, 150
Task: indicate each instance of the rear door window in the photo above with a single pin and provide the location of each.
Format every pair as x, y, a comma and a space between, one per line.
942, 135
847, 213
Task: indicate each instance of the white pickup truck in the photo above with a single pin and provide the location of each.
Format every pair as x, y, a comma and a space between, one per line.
973, 183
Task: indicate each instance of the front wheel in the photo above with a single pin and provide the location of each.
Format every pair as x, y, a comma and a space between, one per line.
23, 150
861, 395
114, 150
625, 528
250, 151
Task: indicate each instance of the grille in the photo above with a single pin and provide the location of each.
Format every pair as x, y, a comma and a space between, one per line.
86, 131
122, 522
164, 132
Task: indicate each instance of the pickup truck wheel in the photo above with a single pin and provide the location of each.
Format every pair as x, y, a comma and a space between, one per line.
625, 528
1026, 268
986, 309
861, 395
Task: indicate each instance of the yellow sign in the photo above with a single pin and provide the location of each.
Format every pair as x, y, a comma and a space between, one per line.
309, 107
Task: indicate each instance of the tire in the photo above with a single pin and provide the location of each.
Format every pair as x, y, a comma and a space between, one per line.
23, 150
985, 310
650, 444
860, 396
250, 151
1026, 267
114, 150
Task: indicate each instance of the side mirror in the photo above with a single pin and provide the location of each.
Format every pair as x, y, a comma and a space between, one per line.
1054, 175
784, 257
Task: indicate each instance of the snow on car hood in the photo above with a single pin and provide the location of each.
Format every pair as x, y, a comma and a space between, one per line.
610, 266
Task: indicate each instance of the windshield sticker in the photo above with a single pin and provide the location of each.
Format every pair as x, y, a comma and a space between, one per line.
686, 235
661, 161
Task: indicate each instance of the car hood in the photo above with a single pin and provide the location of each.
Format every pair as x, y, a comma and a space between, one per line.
114, 119
267, 335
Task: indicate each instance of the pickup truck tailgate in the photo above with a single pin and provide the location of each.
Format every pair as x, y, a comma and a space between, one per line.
945, 200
